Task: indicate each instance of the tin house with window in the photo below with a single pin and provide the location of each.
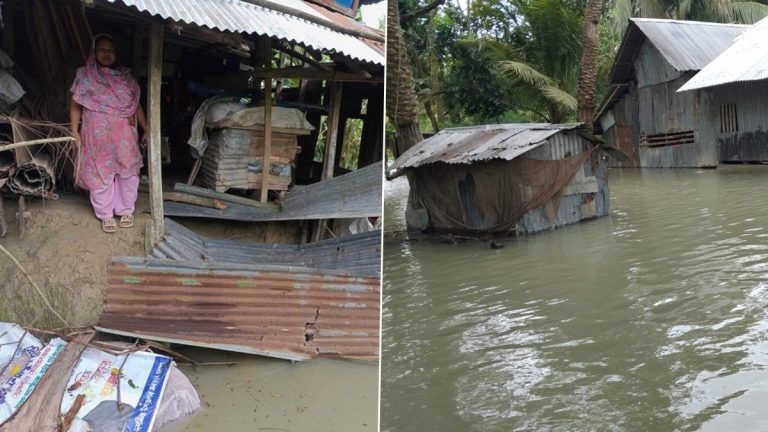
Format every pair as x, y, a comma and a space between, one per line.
647, 117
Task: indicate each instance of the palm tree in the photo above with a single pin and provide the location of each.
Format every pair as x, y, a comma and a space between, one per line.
589, 63
725, 11
402, 104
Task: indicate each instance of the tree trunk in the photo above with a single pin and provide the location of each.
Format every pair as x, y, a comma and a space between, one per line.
402, 105
588, 73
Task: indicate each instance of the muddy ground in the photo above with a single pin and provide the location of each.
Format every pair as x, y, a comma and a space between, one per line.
66, 254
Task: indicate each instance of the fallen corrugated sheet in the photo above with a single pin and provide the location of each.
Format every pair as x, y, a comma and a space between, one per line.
479, 143
686, 45
353, 195
745, 60
358, 254
293, 313
241, 17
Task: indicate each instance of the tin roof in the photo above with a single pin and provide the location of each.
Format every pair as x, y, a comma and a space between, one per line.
479, 143
358, 254
686, 45
287, 312
241, 17
745, 60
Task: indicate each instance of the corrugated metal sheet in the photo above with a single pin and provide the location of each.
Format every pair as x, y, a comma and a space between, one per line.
479, 143
293, 313
746, 60
686, 45
240, 17
353, 195
358, 254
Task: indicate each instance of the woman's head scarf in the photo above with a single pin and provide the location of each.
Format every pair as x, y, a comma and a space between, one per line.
104, 89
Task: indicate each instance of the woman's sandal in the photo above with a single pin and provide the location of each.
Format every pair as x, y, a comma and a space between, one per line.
126, 221
109, 225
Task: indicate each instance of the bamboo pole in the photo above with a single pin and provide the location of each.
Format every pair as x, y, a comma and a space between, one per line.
35, 142
155, 142
267, 57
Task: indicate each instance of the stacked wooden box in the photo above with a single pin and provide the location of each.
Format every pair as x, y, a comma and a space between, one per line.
234, 158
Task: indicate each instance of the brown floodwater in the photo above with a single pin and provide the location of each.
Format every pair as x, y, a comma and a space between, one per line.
653, 318
262, 394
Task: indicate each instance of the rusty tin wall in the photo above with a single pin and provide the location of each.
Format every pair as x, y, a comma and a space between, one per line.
586, 197
663, 111
749, 143
293, 313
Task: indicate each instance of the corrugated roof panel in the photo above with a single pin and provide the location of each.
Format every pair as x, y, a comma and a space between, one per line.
745, 60
479, 143
686, 45
292, 313
689, 45
240, 17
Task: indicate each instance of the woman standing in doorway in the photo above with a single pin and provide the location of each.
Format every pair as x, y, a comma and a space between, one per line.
106, 99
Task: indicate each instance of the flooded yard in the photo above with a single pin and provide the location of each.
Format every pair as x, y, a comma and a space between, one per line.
653, 318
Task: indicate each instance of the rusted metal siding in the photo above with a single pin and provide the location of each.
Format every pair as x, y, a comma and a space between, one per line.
749, 143
663, 111
586, 197
293, 313
652, 68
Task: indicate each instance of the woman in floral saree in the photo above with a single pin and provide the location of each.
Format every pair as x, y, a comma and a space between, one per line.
106, 99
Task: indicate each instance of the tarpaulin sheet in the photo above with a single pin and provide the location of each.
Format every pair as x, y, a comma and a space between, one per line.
142, 379
492, 196
23, 363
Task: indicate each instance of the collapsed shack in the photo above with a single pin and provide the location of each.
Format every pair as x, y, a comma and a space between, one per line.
504, 179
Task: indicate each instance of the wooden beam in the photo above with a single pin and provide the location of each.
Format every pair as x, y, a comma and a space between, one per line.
267, 139
155, 141
329, 155
299, 72
305, 58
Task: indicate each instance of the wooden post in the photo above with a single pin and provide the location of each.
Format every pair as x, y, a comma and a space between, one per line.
334, 111
267, 59
267, 138
329, 156
155, 141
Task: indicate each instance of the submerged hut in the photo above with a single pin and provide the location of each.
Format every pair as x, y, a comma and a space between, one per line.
644, 116
508, 178
737, 84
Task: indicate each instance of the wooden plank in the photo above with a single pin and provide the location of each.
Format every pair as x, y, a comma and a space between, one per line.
41, 411
155, 141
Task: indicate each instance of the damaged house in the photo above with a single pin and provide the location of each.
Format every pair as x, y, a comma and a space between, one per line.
259, 111
505, 179
737, 82
645, 116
